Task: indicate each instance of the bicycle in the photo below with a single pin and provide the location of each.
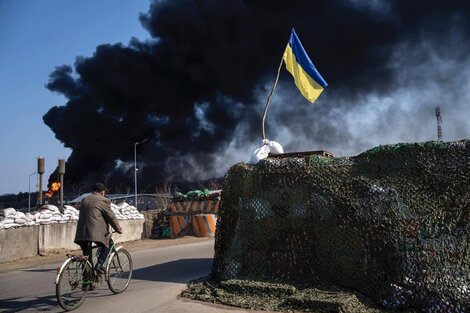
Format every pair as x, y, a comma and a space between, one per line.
77, 275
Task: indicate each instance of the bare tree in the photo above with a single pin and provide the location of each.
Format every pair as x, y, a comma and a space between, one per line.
214, 184
163, 198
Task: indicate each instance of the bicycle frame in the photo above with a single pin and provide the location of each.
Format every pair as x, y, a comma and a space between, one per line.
60, 269
112, 251
77, 275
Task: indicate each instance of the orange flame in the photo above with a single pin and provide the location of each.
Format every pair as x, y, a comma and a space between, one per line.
53, 189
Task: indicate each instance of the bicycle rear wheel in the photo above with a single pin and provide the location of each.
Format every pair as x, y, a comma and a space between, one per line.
72, 286
119, 271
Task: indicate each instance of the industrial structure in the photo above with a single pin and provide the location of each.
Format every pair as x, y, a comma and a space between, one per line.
439, 123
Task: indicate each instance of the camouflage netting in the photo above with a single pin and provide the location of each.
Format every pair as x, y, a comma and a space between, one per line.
392, 223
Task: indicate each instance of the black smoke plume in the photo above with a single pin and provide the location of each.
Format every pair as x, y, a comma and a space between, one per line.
197, 87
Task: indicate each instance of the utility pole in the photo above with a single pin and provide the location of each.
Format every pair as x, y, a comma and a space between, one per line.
41, 170
29, 190
61, 174
135, 168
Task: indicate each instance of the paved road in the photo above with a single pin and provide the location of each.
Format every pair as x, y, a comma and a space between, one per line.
160, 274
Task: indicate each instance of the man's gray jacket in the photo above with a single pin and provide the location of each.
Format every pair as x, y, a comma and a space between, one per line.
94, 218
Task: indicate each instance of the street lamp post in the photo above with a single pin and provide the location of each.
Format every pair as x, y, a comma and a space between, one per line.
29, 190
135, 168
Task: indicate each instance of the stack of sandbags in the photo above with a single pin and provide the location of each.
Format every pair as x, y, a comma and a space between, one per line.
23, 219
11, 218
124, 211
7, 218
49, 214
70, 213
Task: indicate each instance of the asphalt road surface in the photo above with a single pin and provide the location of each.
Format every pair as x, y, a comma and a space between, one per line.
160, 274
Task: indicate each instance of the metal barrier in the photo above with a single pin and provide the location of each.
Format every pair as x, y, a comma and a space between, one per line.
196, 218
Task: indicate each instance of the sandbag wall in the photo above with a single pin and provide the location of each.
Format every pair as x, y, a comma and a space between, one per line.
196, 218
50, 229
392, 223
21, 242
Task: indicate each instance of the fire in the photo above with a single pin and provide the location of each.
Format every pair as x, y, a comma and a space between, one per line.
53, 189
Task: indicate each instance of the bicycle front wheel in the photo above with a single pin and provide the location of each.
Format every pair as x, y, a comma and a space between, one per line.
119, 271
72, 286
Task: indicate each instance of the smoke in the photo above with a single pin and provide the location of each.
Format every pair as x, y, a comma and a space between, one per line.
197, 88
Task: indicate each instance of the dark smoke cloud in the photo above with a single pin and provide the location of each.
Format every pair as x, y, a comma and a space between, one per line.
197, 87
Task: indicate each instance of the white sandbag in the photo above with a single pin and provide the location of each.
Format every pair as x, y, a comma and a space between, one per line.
52, 208
259, 154
45, 216
275, 147
74, 212
267, 146
44, 210
20, 221
9, 212
8, 221
70, 209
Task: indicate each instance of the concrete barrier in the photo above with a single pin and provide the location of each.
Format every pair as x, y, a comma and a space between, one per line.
16, 243
203, 225
56, 237
132, 230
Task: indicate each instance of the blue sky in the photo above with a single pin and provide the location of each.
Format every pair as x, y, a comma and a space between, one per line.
35, 37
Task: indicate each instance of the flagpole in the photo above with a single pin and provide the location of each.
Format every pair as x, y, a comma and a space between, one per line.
270, 95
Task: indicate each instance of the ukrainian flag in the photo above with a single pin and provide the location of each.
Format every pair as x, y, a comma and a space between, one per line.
306, 76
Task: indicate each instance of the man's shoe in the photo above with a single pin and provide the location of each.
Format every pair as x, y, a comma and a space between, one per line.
88, 287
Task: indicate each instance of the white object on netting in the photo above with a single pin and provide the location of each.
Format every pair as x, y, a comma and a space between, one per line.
275, 147
267, 147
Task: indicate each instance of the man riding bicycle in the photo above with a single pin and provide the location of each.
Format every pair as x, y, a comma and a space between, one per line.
93, 224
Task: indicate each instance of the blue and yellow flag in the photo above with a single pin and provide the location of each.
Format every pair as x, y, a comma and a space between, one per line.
306, 76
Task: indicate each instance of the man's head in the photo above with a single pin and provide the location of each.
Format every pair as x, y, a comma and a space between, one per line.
99, 188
